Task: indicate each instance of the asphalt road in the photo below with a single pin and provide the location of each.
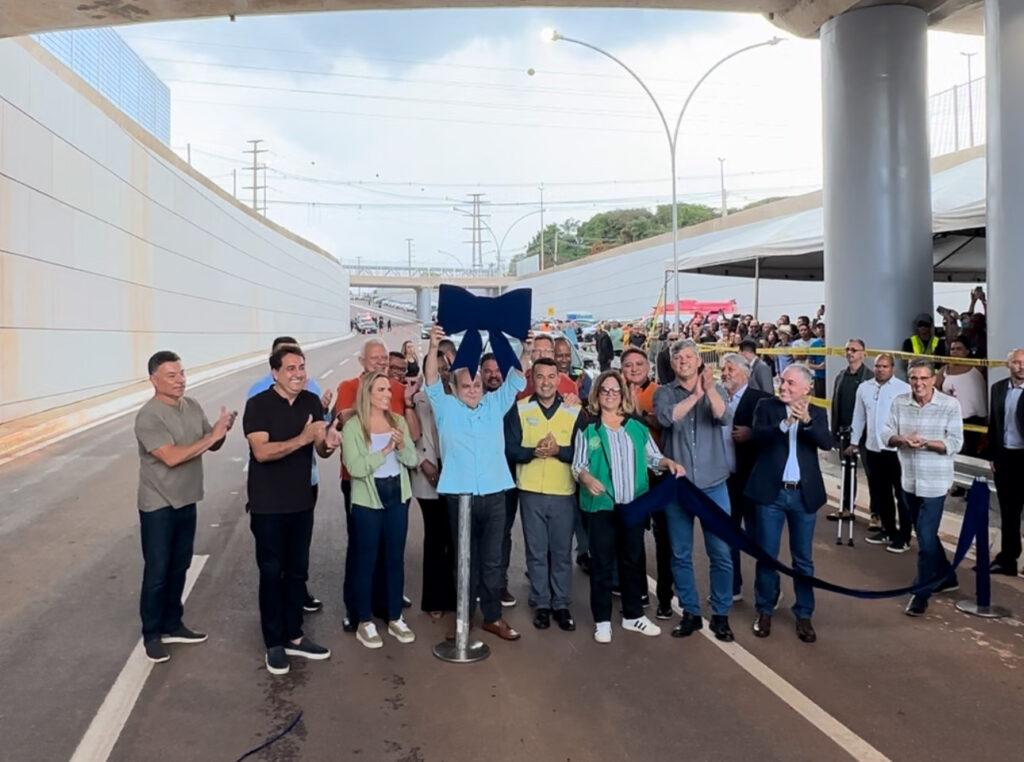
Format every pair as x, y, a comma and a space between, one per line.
877, 684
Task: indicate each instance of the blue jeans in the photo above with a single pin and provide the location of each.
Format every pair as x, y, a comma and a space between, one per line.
680, 533
788, 508
374, 529
932, 565
167, 539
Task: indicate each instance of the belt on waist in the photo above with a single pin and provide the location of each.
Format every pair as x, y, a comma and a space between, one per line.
791, 485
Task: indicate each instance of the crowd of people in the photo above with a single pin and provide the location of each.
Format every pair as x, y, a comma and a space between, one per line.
567, 451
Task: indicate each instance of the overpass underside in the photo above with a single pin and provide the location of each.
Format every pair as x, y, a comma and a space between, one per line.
800, 17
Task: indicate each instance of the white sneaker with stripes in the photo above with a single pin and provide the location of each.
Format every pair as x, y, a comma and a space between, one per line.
643, 625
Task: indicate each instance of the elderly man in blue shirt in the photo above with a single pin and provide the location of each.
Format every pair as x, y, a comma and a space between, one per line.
471, 430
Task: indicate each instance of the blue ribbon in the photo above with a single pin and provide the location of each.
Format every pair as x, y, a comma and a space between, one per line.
458, 310
717, 521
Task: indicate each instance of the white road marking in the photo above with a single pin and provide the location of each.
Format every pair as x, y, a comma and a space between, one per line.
326, 374
836, 731
346, 360
106, 726
245, 468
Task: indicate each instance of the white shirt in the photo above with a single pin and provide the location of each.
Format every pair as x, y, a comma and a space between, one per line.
926, 473
791, 473
969, 390
730, 446
871, 410
1013, 439
390, 465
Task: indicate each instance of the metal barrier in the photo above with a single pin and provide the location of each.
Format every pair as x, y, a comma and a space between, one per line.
461, 651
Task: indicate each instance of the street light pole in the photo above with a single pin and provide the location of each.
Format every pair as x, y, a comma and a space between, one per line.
550, 35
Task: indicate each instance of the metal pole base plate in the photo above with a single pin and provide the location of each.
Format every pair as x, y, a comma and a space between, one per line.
447, 651
988, 612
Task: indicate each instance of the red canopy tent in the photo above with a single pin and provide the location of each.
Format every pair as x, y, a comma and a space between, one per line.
692, 306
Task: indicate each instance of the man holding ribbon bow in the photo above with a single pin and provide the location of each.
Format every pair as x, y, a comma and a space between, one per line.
470, 427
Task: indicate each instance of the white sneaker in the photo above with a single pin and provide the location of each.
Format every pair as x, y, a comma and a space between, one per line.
367, 634
399, 630
643, 625
603, 632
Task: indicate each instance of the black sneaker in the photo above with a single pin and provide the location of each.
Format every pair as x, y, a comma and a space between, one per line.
664, 611
898, 546
878, 538
183, 635
406, 602
916, 606
277, 662
720, 626
949, 586
349, 625
688, 625
307, 649
645, 600
507, 599
155, 651
312, 604
564, 619
617, 591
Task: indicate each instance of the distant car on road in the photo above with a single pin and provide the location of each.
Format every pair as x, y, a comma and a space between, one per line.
425, 330
366, 325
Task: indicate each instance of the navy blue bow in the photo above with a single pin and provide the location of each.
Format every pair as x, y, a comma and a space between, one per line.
458, 310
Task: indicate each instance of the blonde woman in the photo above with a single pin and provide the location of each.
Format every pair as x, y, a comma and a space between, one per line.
378, 452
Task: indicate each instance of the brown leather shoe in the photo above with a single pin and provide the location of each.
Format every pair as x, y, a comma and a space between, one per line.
805, 631
502, 629
763, 625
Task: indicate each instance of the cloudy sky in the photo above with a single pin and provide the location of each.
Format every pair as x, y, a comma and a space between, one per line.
379, 124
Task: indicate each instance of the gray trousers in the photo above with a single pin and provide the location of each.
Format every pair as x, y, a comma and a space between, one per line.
548, 523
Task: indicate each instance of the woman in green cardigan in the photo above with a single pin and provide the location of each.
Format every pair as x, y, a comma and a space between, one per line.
378, 453
613, 451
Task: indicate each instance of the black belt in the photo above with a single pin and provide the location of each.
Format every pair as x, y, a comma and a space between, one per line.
791, 485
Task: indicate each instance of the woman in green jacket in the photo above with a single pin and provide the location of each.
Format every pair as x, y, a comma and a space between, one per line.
378, 452
613, 451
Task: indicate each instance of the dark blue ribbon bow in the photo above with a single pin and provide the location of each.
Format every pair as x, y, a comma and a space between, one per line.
458, 310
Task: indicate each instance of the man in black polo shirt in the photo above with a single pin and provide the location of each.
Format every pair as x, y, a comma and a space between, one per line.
283, 424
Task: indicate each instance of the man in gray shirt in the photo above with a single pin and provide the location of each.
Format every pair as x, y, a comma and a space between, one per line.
692, 411
173, 433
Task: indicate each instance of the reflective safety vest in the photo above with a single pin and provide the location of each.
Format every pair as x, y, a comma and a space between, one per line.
919, 348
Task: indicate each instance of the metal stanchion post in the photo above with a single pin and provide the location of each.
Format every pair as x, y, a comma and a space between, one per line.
462, 651
982, 604
848, 489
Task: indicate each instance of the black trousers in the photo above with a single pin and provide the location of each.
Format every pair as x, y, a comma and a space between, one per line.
611, 542
887, 495
662, 558
167, 535
282, 555
511, 506
744, 516
438, 557
487, 521
1009, 478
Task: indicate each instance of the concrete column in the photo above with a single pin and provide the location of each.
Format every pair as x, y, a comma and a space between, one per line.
1004, 82
877, 194
423, 305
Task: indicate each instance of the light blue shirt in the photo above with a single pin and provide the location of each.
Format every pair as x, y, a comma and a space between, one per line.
311, 385
473, 439
791, 473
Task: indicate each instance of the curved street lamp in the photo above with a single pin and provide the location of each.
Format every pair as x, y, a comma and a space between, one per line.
552, 35
500, 245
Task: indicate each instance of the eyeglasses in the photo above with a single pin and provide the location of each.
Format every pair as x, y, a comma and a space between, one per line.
610, 391
853, 349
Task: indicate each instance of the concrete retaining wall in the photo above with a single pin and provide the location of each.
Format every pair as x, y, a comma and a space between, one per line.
112, 248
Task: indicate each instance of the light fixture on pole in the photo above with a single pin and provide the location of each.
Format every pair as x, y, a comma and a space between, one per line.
552, 35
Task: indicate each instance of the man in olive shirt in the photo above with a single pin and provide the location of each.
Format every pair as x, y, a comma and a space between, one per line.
173, 433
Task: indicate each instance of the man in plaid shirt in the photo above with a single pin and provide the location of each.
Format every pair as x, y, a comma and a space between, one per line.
926, 428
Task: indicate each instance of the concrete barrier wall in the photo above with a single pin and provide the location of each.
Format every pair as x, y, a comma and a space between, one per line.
112, 248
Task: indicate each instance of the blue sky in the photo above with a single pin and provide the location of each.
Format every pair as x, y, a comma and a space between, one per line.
380, 123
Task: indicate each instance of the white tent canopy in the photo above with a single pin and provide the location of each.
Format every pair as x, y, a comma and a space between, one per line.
791, 247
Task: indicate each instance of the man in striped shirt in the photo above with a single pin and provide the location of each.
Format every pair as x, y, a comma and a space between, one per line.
926, 428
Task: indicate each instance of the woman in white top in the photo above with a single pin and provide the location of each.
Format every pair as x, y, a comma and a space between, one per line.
378, 452
967, 384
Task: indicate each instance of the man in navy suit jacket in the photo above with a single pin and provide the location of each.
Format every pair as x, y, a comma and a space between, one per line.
787, 487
